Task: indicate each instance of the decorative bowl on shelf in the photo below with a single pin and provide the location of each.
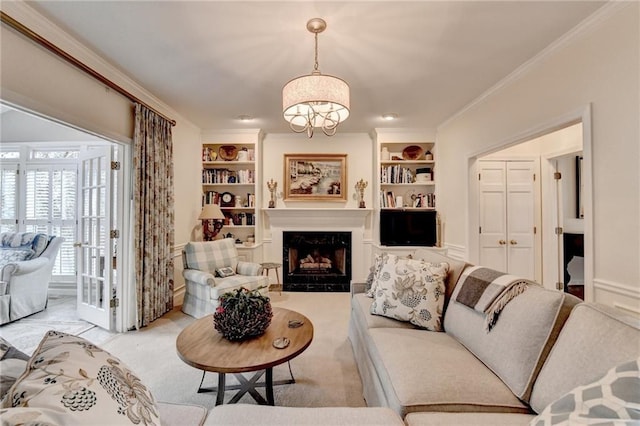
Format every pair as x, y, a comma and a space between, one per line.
228, 152
412, 152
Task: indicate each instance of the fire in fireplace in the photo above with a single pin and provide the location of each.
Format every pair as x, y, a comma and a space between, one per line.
316, 261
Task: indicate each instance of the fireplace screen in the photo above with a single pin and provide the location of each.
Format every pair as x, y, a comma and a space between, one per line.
317, 261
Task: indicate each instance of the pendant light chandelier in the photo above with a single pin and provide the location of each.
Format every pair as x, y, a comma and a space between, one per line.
315, 100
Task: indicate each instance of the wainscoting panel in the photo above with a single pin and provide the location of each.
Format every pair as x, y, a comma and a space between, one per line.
621, 296
456, 252
178, 280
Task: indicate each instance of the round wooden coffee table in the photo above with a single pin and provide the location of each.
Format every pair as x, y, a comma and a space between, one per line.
201, 346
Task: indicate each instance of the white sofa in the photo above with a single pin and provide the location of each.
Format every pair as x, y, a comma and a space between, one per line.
545, 344
26, 263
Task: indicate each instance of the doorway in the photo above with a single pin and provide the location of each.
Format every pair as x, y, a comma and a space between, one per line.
89, 207
508, 194
563, 150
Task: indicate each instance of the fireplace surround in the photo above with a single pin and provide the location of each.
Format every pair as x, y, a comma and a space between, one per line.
352, 220
316, 261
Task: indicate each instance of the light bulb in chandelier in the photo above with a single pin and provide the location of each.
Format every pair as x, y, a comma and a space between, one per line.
316, 100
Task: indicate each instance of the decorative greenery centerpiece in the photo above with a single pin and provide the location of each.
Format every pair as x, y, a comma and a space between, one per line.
242, 314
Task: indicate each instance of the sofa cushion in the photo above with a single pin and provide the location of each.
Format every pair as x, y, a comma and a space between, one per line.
594, 339
76, 382
616, 396
411, 290
426, 371
246, 414
520, 340
467, 419
224, 285
13, 362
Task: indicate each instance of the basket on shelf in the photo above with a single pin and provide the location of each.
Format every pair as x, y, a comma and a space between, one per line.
242, 314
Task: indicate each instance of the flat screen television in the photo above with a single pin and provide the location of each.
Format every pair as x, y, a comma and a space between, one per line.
408, 227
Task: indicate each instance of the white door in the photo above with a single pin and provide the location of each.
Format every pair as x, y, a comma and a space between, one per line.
520, 219
95, 253
507, 216
493, 215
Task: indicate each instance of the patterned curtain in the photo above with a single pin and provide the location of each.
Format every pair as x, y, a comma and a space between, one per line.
153, 211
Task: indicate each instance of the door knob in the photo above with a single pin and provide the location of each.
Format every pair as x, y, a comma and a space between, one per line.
513, 242
502, 242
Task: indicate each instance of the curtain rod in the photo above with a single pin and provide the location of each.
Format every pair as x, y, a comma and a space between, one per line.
37, 38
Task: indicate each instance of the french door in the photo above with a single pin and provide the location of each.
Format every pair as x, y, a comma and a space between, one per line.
95, 257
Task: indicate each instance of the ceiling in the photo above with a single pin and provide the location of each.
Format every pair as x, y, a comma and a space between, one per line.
213, 61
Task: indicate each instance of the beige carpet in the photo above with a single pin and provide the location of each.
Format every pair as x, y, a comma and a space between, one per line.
326, 374
26, 333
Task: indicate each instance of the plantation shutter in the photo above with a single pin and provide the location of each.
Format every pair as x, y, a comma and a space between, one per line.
50, 208
9, 197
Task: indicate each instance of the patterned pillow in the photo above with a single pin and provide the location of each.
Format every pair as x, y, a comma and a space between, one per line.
11, 255
374, 273
25, 241
12, 364
75, 382
410, 290
614, 399
39, 243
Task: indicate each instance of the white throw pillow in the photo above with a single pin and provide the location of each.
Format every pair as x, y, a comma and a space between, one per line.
410, 290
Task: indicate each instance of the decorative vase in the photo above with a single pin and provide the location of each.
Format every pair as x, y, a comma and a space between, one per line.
242, 314
384, 155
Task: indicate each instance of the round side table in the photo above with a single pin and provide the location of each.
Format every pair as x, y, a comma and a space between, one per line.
267, 266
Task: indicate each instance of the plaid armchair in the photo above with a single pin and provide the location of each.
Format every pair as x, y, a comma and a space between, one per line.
204, 285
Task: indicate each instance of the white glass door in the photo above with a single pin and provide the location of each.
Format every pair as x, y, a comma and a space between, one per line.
95, 252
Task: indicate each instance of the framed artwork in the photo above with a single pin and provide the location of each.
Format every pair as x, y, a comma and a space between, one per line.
310, 177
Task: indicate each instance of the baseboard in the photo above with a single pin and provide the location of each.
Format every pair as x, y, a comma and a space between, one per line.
62, 289
178, 295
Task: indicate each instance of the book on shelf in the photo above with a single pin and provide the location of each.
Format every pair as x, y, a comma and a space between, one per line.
211, 197
387, 199
396, 174
212, 176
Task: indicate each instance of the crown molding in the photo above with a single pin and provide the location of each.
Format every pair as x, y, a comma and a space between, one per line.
583, 28
28, 16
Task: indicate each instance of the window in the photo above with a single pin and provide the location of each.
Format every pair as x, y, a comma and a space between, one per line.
41, 198
50, 208
8, 197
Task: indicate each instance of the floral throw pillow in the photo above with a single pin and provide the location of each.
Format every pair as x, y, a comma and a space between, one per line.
69, 380
374, 273
410, 290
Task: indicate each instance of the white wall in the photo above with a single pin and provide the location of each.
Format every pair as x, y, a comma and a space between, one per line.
599, 66
35, 79
357, 146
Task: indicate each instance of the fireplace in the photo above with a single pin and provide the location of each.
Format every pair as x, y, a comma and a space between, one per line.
316, 261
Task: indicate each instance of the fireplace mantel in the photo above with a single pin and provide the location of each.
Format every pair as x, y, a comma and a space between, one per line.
294, 217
